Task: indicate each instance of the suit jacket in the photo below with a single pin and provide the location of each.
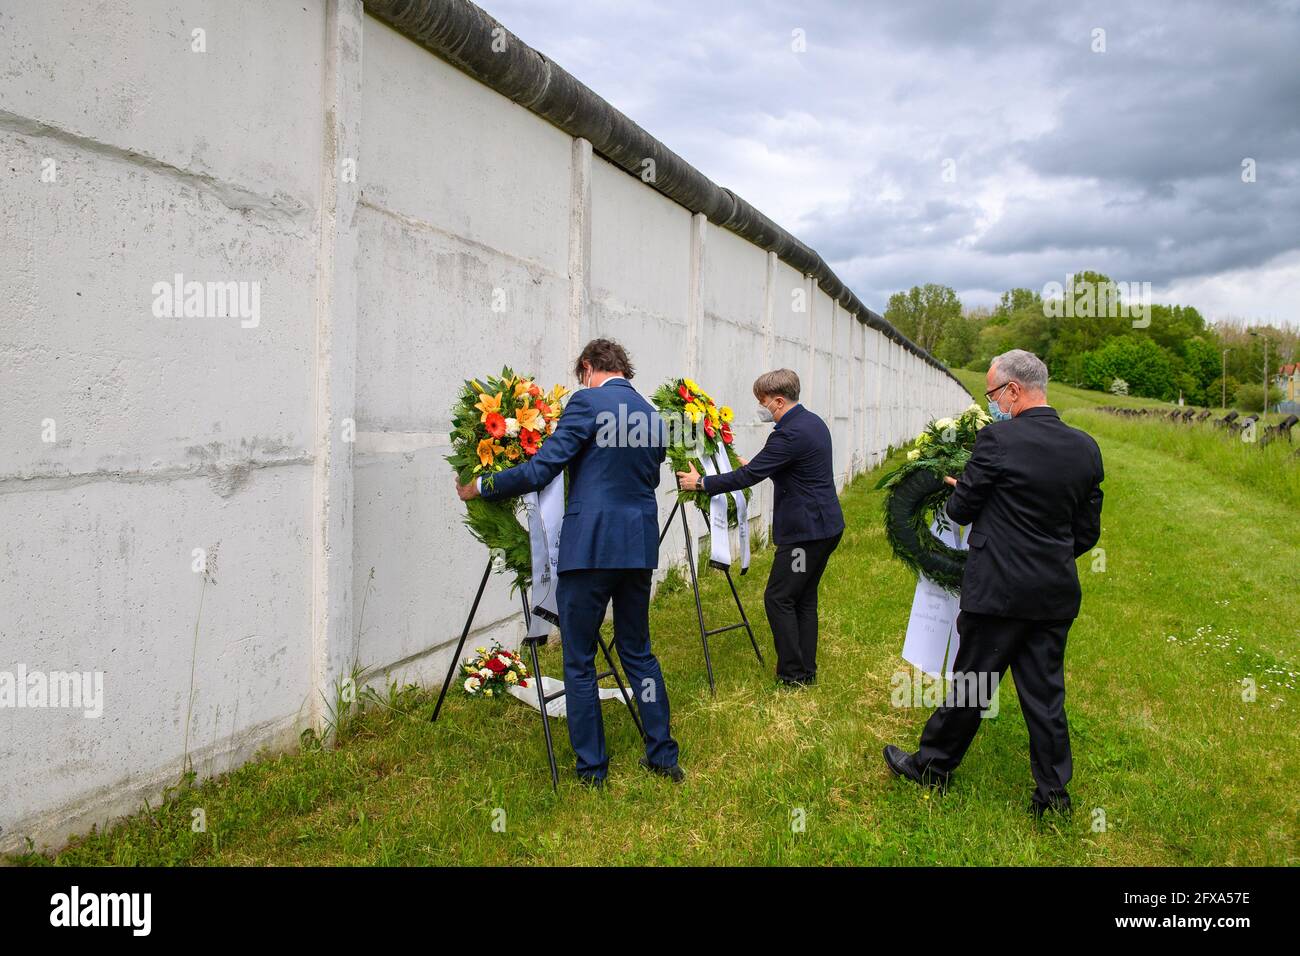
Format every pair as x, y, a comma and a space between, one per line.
611, 517
797, 457
1032, 495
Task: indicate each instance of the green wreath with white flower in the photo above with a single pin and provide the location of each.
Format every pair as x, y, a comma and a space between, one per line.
915, 496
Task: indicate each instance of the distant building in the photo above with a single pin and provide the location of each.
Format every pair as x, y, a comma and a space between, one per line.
1288, 381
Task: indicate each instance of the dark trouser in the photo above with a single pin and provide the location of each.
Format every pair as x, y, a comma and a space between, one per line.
582, 597
1035, 652
791, 602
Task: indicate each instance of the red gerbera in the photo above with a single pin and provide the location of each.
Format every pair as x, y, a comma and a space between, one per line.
528, 440
495, 424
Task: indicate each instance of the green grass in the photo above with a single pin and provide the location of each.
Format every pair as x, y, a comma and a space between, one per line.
1197, 594
1063, 397
1271, 469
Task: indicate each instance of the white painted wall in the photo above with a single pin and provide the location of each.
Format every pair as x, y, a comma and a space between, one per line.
377, 298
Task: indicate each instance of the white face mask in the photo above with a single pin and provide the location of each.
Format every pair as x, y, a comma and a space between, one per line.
765, 414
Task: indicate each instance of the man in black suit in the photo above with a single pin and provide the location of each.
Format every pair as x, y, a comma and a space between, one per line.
807, 523
1032, 495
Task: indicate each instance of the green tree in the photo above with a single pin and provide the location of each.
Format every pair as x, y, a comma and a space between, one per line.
923, 312
1147, 368
1250, 397
957, 345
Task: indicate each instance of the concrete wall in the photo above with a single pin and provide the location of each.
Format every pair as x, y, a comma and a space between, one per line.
303, 456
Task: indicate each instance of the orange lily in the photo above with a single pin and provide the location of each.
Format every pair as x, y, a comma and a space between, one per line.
530, 418
487, 450
487, 404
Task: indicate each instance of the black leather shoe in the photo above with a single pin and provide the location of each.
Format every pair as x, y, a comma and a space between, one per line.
784, 684
902, 764
1058, 806
674, 773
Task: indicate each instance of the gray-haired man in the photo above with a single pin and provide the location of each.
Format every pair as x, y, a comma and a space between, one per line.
1032, 495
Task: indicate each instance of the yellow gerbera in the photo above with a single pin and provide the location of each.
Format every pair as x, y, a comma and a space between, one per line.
691, 385
726, 414
712, 412
693, 412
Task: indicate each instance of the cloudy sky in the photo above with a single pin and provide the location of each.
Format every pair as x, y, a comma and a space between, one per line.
977, 144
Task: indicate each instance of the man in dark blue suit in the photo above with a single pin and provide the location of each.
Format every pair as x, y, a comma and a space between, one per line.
807, 523
612, 441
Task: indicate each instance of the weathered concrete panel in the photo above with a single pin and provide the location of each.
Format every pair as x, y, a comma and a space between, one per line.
449, 152
82, 347
243, 115
100, 577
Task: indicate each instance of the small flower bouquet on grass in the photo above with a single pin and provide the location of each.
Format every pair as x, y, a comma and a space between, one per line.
490, 673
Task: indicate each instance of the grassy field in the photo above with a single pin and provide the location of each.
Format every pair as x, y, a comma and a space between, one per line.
1198, 595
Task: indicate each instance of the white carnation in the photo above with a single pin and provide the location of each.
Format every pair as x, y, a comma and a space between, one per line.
512, 427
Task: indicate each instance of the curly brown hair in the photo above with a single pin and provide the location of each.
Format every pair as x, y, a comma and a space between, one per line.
604, 355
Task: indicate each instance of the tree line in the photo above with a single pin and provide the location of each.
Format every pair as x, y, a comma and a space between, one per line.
1096, 334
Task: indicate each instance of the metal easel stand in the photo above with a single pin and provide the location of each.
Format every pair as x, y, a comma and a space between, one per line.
535, 674
705, 633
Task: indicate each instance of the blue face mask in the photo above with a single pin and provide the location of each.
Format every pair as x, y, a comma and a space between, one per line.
997, 414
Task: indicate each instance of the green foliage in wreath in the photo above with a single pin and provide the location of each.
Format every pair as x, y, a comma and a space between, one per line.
916, 494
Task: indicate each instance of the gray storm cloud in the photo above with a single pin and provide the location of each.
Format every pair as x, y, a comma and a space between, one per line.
977, 144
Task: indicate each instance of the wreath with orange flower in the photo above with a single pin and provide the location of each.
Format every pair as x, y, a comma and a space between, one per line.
496, 423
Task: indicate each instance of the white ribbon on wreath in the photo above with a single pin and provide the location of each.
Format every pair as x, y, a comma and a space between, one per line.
719, 463
545, 512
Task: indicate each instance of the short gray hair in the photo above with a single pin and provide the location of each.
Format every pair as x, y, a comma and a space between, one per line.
782, 381
1024, 368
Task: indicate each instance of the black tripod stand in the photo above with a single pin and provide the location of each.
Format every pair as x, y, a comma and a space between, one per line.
705, 633
535, 673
